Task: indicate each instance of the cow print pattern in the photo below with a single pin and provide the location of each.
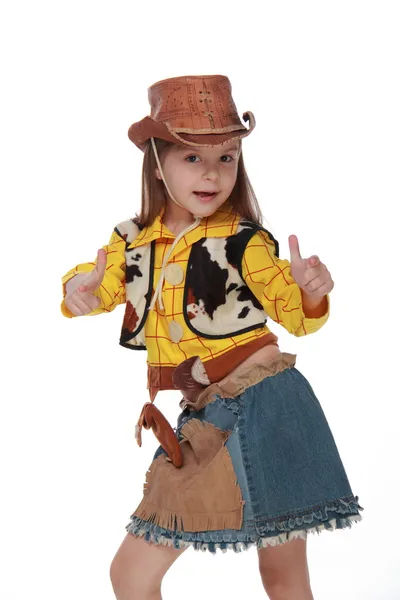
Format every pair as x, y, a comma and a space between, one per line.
201, 272
218, 302
137, 268
132, 267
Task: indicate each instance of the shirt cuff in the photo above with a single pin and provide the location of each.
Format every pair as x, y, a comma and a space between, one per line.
313, 324
315, 312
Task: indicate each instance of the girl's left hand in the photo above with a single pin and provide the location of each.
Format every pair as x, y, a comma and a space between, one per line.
310, 274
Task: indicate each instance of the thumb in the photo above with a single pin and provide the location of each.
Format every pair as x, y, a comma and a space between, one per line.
97, 274
295, 255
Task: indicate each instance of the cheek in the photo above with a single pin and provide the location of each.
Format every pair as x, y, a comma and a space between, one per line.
181, 178
230, 178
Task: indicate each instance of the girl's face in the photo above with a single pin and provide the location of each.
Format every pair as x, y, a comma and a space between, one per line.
192, 170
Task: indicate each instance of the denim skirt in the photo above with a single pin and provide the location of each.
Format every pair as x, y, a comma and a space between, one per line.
262, 468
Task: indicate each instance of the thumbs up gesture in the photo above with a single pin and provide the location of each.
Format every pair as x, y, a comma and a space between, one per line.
310, 274
80, 298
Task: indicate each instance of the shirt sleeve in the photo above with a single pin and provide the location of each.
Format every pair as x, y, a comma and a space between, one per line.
112, 289
271, 281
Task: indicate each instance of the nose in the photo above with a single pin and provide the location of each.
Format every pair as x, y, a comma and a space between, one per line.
211, 173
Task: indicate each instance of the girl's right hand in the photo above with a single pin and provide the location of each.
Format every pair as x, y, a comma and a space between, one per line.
80, 299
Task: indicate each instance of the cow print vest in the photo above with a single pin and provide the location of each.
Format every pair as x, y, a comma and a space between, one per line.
216, 302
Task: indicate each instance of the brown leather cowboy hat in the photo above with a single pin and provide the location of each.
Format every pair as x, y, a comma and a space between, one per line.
196, 110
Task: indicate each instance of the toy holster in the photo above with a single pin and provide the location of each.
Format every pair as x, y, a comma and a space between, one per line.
151, 417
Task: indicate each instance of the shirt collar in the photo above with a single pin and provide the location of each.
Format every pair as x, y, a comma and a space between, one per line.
222, 223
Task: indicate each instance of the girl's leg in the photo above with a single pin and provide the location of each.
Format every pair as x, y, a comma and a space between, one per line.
138, 568
284, 571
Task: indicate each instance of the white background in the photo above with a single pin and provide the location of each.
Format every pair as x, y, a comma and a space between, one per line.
322, 79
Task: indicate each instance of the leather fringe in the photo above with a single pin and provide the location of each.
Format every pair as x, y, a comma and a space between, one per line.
175, 519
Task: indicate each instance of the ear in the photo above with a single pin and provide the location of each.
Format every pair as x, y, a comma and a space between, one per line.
157, 172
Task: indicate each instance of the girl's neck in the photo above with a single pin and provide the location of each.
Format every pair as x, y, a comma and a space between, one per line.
176, 219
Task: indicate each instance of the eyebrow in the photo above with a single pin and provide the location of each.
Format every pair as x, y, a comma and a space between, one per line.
194, 149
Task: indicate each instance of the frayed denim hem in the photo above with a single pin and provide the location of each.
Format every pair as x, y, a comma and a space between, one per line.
287, 536
325, 515
206, 540
235, 540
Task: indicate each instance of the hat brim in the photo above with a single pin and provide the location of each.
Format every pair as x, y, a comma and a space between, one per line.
139, 133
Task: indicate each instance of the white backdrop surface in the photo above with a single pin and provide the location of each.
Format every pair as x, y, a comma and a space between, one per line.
322, 79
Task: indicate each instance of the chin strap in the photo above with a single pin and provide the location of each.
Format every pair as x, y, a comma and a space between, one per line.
163, 178
157, 294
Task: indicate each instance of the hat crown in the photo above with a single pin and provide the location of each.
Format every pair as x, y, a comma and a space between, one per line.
194, 104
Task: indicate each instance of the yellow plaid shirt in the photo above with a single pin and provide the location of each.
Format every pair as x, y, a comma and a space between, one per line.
268, 277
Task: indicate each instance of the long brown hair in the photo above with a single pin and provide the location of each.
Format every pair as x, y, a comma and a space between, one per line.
242, 198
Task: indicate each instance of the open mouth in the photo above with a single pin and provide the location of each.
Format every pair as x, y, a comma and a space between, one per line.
205, 195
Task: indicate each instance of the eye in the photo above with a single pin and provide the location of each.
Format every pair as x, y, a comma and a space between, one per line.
225, 156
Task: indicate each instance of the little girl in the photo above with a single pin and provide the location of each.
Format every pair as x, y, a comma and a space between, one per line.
252, 460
